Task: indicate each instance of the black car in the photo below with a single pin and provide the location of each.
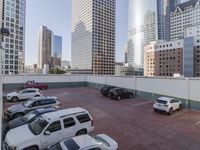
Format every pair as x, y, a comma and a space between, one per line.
105, 90
27, 118
119, 93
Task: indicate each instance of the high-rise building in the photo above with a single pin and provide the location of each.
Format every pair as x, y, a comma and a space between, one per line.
93, 36
169, 7
49, 48
13, 18
146, 24
185, 15
126, 53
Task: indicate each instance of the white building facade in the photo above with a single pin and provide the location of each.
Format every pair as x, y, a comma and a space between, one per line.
186, 15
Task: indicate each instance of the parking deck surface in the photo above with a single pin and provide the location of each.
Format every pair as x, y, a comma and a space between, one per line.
132, 122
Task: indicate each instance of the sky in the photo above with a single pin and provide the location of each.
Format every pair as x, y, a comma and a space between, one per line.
56, 15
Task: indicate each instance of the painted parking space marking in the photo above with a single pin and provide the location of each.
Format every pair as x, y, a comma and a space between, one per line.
141, 104
179, 113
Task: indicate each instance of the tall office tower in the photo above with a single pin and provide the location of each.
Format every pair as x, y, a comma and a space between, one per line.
169, 7
93, 36
185, 15
125, 53
13, 18
49, 48
146, 24
56, 51
44, 46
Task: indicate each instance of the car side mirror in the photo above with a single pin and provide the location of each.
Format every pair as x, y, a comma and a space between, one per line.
47, 133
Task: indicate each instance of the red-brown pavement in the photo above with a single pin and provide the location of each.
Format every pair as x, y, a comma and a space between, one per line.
132, 122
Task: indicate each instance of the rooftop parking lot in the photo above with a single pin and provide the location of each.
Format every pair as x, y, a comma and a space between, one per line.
132, 122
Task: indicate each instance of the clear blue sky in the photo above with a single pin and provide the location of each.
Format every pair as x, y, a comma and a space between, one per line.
56, 15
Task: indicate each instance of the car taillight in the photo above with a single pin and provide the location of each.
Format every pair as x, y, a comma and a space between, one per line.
92, 123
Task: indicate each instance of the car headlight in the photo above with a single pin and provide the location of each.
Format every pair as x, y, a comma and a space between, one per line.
13, 147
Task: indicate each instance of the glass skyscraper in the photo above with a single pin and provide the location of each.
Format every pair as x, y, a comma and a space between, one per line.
146, 24
13, 18
56, 46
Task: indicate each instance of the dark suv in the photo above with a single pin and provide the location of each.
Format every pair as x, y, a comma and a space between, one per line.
119, 93
105, 90
27, 106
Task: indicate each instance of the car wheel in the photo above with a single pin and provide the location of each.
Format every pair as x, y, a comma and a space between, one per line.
17, 115
81, 132
155, 110
118, 97
180, 107
14, 99
171, 111
130, 95
31, 148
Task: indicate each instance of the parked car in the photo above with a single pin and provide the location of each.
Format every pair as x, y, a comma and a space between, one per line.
167, 104
23, 94
119, 93
33, 84
98, 142
105, 90
49, 129
27, 118
27, 106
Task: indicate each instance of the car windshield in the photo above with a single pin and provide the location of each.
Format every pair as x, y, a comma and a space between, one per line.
100, 140
28, 117
27, 103
38, 126
56, 147
161, 101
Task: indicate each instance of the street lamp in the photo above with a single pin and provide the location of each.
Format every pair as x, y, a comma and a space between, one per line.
3, 32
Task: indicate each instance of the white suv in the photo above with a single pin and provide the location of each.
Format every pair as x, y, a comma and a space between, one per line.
167, 104
97, 142
23, 94
49, 129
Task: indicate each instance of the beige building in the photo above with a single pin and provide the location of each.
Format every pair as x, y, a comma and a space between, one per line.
49, 48
166, 58
163, 58
93, 36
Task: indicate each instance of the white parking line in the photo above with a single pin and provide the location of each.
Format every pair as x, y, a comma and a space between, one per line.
198, 123
179, 113
141, 104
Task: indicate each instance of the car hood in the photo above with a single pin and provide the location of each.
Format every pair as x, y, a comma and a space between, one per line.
19, 135
113, 144
13, 94
17, 108
15, 123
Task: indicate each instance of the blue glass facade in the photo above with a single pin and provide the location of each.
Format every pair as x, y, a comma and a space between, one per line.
57, 47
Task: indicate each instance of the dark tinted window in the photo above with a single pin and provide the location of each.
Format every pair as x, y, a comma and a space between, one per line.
174, 101
31, 91
47, 102
83, 118
68, 122
71, 145
55, 126
161, 101
56, 147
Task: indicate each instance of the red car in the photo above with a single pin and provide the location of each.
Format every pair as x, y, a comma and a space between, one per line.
33, 84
